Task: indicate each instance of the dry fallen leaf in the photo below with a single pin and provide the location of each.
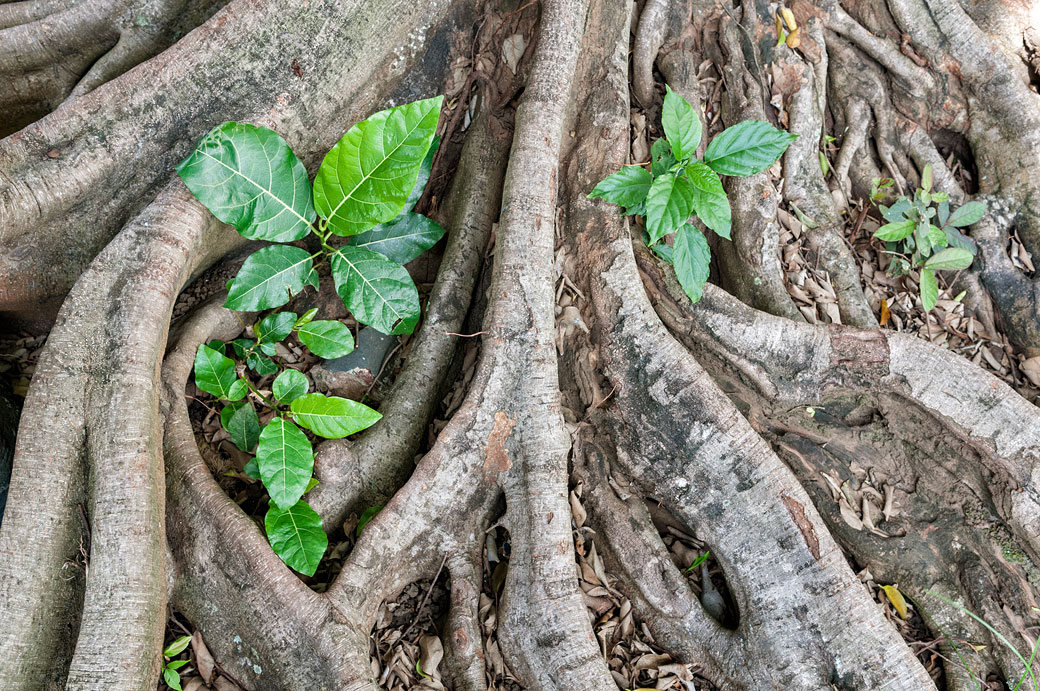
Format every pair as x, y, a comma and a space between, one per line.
896, 598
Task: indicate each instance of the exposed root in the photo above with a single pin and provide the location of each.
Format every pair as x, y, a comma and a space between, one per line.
64, 192
367, 471
724, 472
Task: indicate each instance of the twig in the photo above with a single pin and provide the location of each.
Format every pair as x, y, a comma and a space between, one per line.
452, 333
418, 612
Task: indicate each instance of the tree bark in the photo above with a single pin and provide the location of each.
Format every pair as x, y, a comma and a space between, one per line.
770, 440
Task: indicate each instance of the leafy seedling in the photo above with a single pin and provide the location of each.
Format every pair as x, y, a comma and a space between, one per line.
922, 233
365, 192
170, 668
679, 186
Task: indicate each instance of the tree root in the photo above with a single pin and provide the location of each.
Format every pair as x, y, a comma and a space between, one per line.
771, 440
997, 115
370, 469
105, 464
55, 217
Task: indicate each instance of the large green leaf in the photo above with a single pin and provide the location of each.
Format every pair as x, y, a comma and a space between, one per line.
893, 232
332, 417
378, 292
949, 259
367, 176
965, 215
628, 187
403, 240
242, 424
286, 461
682, 126
661, 158
709, 198
747, 148
668, 205
215, 374
250, 178
296, 536
274, 327
929, 289
425, 168
327, 339
269, 277
289, 385
691, 258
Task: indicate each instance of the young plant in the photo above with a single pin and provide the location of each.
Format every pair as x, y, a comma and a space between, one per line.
169, 669
364, 191
922, 233
679, 186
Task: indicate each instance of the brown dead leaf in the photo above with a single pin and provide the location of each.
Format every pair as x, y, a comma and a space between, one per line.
203, 659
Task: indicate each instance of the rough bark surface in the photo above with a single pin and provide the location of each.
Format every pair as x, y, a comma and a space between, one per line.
733, 419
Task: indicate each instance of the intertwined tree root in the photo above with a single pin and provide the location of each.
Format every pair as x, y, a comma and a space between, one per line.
728, 418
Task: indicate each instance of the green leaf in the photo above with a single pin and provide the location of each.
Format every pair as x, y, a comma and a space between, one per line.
661, 158
936, 237
627, 187
252, 469
177, 647
956, 238
747, 148
176, 664
665, 252
242, 424
289, 385
929, 290
215, 374
306, 318
668, 205
424, 176
269, 277
896, 212
949, 259
172, 679
241, 346
377, 291
967, 214
332, 417
250, 178
710, 203
274, 327
261, 364
926, 178
367, 177
944, 212
924, 245
692, 259
366, 516
893, 232
327, 339
296, 536
403, 240
286, 461
681, 125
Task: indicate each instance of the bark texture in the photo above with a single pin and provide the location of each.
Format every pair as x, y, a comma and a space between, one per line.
767, 438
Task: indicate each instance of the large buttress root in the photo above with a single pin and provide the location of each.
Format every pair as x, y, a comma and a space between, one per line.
65, 190
506, 439
940, 459
102, 472
681, 442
